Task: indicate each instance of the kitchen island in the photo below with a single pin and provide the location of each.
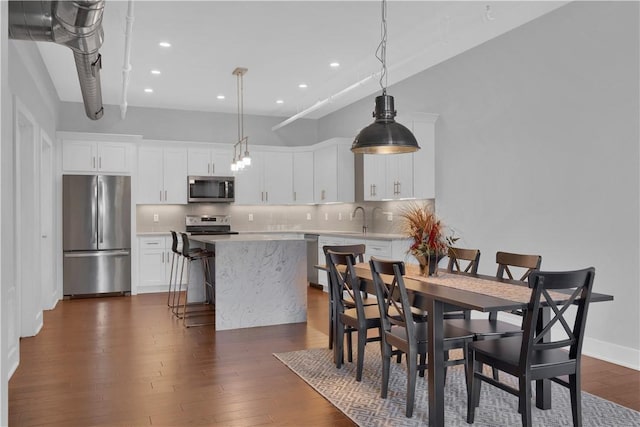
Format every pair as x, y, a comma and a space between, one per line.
260, 279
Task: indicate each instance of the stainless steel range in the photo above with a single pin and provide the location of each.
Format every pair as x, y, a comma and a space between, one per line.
208, 225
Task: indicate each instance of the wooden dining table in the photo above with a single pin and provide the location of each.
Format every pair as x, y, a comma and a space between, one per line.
473, 292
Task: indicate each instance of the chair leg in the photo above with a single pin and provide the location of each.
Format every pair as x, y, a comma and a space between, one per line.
362, 341
422, 360
338, 349
576, 399
350, 346
173, 257
477, 385
412, 373
332, 325
386, 366
446, 358
495, 374
525, 400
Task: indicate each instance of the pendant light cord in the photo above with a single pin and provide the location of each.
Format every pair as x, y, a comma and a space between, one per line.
381, 51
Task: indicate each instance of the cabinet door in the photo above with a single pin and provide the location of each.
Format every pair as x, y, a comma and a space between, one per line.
250, 182
303, 177
113, 157
199, 161
278, 178
150, 176
79, 156
175, 176
399, 176
325, 174
221, 162
152, 262
374, 176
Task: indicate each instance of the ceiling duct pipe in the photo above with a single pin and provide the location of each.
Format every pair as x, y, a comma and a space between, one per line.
75, 24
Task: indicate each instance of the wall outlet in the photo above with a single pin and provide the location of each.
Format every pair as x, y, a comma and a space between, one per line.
390, 216
339, 216
326, 217
250, 217
308, 217
156, 218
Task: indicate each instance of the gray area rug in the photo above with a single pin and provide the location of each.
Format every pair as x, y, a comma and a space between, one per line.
361, 401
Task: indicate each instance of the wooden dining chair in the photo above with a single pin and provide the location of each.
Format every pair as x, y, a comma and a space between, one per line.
359, 319
472, 258
358, 251
402, 332
535, 355
525, 263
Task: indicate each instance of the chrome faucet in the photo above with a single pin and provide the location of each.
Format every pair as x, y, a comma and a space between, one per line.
364, 218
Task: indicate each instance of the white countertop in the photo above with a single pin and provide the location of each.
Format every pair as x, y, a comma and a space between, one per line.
248, 237
283, 235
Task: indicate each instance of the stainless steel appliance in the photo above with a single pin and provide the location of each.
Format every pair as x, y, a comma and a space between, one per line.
312, 260
211, 189
208, 225
96, 231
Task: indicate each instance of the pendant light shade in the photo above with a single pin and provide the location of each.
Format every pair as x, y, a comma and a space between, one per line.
385, 135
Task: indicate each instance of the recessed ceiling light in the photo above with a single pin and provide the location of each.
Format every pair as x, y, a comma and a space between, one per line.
302, 86
334, 65
279, 101
155, 72
164, 44
220, 96
148, 90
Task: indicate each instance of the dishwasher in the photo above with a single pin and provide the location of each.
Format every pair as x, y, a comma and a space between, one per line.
312, 260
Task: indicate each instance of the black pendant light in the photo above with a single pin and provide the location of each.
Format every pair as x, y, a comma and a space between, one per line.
384, 135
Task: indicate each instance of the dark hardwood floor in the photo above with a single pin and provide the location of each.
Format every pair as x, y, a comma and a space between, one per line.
126, 361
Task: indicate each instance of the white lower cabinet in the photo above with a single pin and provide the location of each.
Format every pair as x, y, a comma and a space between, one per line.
154, 263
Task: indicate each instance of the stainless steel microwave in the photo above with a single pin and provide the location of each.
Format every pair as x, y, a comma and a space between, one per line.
211, 189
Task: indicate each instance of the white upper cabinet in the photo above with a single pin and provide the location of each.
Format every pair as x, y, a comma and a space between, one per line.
333, 168
303, 177
408, 175
96, 157
205, 161
162, 175
268, 180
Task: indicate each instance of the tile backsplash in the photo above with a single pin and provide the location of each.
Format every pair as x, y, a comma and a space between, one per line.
382, 217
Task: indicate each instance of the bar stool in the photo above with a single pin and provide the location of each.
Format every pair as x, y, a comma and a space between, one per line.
175, 260
203, 256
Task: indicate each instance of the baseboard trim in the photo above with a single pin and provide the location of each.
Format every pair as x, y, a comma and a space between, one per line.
614, 353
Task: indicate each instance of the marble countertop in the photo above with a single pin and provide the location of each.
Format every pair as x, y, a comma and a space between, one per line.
282, 234
248, 237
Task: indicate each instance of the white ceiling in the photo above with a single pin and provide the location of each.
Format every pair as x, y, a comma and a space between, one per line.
282, 43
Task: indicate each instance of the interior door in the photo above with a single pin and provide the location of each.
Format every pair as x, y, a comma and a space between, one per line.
49, 290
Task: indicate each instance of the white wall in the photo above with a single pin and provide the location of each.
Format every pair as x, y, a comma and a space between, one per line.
5, 270
537, 152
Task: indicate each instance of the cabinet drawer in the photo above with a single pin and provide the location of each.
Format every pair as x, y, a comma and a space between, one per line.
152, 242
379, 248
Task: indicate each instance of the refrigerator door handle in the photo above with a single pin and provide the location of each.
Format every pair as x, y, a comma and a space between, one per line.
95, 254
101, 207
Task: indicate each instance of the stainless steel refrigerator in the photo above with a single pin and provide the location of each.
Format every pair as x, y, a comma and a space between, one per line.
96, 233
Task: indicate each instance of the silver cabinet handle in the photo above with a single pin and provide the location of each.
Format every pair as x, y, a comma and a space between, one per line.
266, 198
100, 162
165, 195
294, 196
208, 168
399, 188
262, 196
374, 190
213, 168
93, 162
151, 243
322, 195
163, 257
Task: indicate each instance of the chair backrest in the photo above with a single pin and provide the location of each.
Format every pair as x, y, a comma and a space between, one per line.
580, 284
356, 250
185, 244
459, 254
528, 262
344, 281
393, 300
174, 243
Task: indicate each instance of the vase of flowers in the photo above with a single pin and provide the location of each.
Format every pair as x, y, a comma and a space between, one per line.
430, 241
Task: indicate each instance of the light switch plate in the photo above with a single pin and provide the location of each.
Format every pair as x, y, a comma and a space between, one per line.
250, 217
390, 216
326, 217
308, 217
156, 218
339, 216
